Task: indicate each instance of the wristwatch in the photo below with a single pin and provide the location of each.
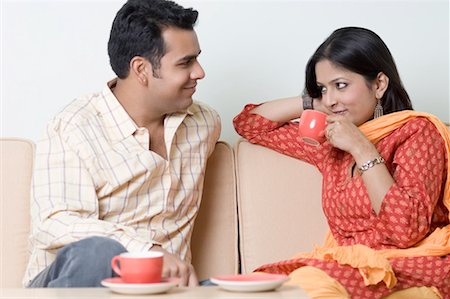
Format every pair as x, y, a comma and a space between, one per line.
307, 102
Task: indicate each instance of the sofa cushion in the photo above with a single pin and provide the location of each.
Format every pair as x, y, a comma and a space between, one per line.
279, 206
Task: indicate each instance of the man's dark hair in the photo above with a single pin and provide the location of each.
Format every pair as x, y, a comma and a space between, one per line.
137, 31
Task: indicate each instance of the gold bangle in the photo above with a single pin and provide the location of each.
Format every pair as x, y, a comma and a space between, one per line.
369, 164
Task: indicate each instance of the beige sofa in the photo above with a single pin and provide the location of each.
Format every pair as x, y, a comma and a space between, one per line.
258, 206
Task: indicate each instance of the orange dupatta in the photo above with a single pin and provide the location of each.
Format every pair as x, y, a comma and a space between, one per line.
373, 264
379, 128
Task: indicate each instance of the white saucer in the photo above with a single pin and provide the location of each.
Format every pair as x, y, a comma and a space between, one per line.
256, 282
117, 285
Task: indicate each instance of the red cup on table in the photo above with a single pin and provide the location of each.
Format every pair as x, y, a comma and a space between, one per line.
139, 267
311, 127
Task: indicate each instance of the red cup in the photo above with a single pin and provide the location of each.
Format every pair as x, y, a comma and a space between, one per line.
311, 128
139, 267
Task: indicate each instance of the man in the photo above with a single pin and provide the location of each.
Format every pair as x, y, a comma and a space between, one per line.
122, 170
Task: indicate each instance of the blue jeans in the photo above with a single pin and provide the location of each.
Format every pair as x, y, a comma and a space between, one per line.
80, 264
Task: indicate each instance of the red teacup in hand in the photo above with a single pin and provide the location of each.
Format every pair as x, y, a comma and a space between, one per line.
312, 127
139, 267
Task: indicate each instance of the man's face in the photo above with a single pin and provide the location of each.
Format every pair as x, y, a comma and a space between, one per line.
176, 79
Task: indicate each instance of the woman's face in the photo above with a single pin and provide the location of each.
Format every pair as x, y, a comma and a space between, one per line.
345, 92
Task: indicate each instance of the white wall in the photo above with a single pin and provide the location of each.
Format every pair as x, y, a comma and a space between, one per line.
54, 51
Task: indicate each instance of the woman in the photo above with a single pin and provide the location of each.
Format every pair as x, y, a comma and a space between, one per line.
386, 193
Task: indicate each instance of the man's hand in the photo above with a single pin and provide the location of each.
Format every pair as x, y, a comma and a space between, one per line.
173, 266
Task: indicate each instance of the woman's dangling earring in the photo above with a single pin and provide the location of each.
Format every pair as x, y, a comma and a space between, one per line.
378, 110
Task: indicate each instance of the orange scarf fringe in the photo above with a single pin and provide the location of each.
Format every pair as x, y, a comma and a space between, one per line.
374, 265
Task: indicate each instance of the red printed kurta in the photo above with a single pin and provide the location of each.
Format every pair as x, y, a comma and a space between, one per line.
412, 208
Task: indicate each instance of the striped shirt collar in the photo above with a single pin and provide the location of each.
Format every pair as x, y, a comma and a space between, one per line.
118, 122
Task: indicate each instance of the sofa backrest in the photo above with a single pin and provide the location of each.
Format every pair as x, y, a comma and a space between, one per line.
279, 206
215, 237
16, 163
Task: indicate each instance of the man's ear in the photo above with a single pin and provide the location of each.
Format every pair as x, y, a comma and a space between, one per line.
140, 69
381, 85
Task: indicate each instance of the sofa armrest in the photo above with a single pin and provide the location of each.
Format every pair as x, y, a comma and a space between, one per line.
214, 240
16, 162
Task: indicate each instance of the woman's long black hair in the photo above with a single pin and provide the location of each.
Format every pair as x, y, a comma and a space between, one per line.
361, 51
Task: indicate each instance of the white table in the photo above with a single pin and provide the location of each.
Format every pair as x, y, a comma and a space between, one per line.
285, 292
